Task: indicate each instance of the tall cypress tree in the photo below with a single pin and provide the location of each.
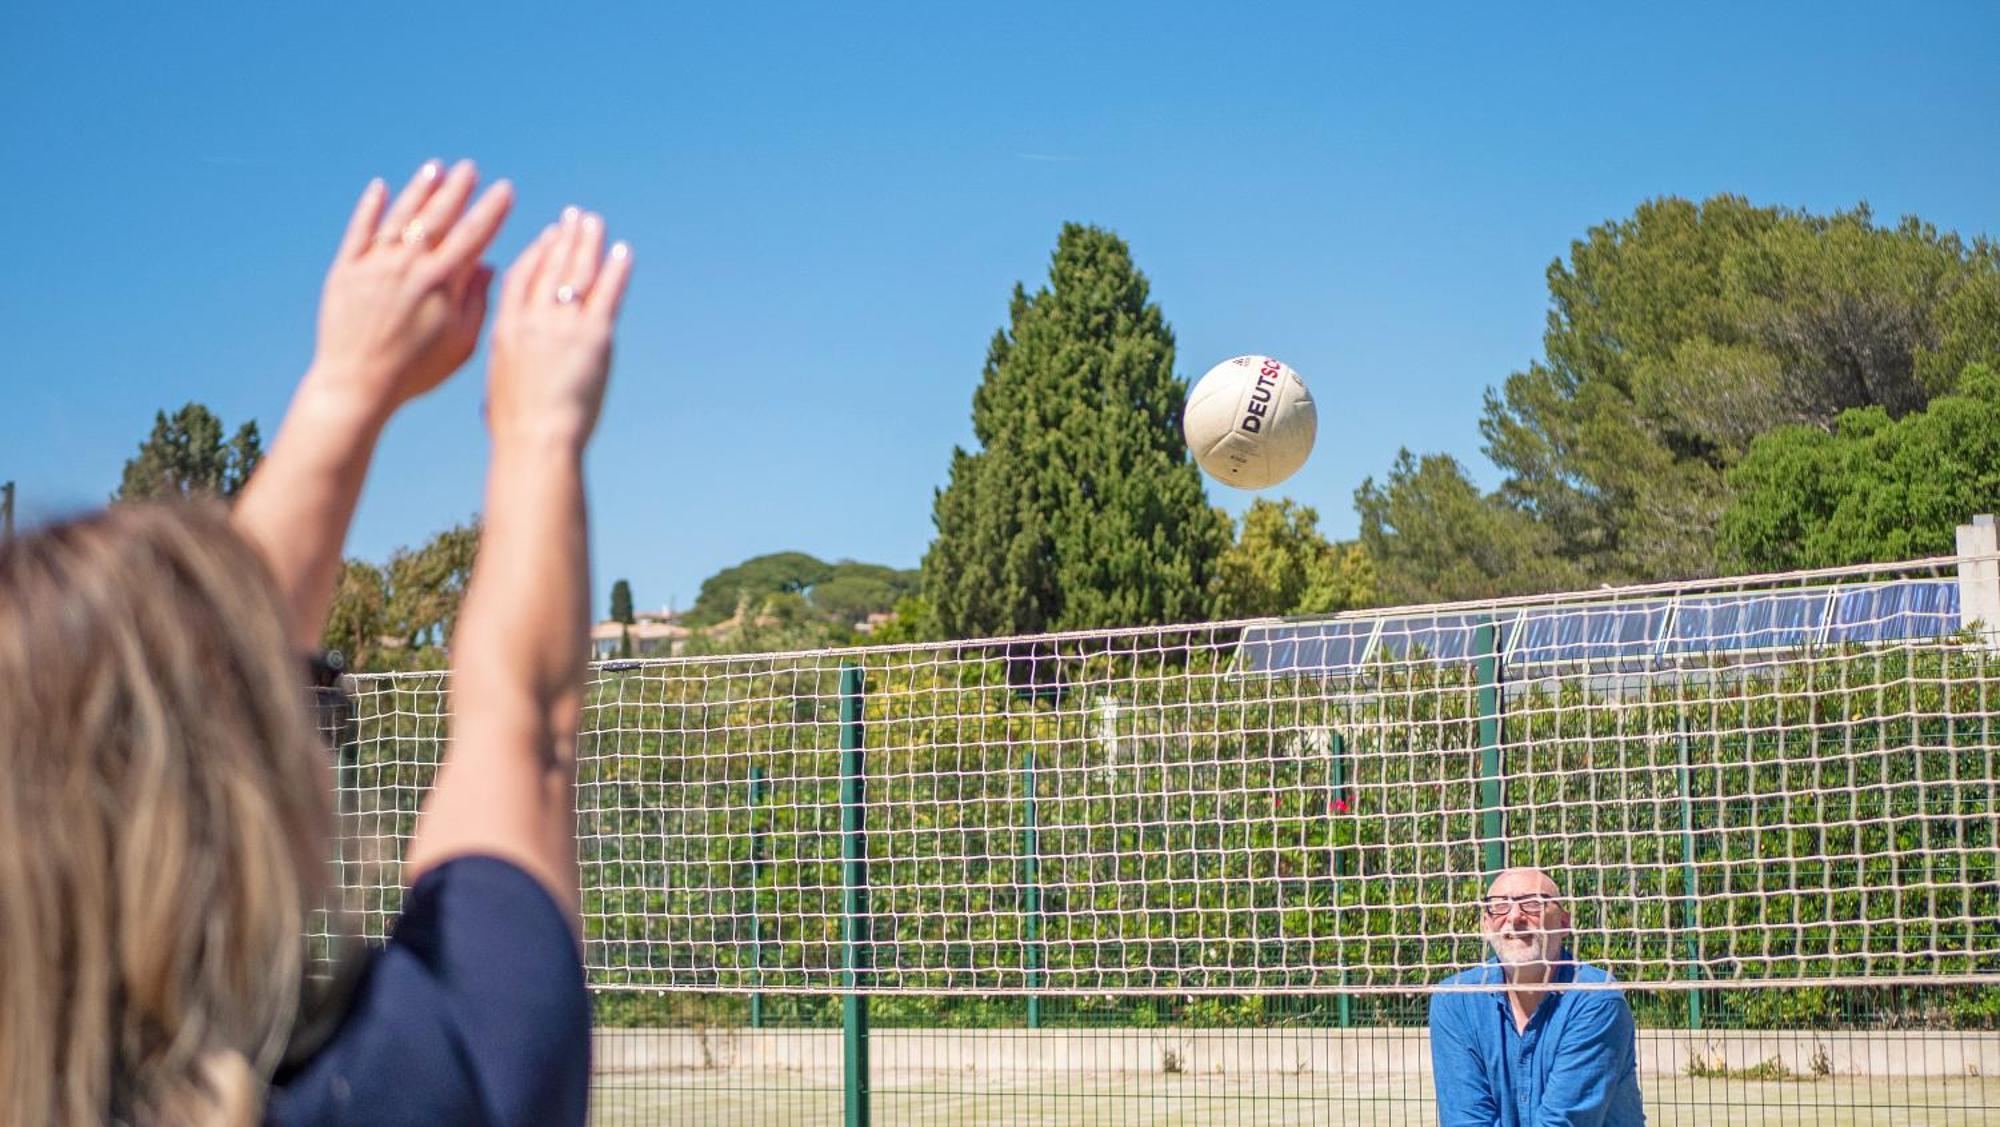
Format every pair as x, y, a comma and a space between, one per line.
1081, 508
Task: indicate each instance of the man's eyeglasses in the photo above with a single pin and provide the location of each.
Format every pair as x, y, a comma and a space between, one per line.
1531, 905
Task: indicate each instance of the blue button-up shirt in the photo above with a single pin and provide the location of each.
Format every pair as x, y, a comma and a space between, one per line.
1576, 1063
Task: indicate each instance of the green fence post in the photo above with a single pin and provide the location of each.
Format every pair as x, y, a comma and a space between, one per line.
756, 923
1690, 909
1343, 1003
1032, 878
854, 882
1486, 643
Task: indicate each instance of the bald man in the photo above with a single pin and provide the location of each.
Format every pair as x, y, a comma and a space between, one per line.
1524, 1054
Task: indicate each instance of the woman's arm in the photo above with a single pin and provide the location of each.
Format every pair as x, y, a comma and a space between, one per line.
401, 311
519, 650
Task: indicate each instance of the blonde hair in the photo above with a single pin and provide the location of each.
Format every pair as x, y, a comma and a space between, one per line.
164, 822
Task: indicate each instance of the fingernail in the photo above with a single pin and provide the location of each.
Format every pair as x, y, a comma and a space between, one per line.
569, 215
430, 169
592, 222
375, 184
620, 250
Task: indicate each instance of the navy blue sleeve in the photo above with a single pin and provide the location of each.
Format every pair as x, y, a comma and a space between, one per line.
475, 1012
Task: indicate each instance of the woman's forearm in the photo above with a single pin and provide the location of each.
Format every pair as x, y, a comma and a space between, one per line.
523, 632
507, 785
299, 503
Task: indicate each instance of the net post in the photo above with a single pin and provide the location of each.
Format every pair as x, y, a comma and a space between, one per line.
1031, 878
1690, 906
1486, 643
1337, 746
854, 897
756, 922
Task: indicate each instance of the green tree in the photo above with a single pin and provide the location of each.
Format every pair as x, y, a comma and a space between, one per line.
1432, 537
1874, 489
427, 586
773, 621
186, 455
913, 622
621, 602
1281, 564
1081, 508
854, 590
756, 577
793, 599
358, 616
1678, 335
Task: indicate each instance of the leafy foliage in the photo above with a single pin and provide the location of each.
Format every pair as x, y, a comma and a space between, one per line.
852, 591
1874, 489
1081, 507
186, 455
779, 573
1433, 537
1675, 338
359, 615
427, 586
1281, 564
621, 602
399, 616
791, 600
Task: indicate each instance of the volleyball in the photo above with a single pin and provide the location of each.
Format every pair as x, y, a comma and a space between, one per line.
1250, 422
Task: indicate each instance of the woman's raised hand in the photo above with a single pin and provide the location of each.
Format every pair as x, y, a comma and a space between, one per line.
407, 292
507, 782
552, 335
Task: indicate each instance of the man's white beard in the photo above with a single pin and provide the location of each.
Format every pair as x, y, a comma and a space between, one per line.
1515, 954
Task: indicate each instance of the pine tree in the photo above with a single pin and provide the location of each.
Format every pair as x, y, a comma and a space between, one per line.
186, 455
1081, 508
621, 602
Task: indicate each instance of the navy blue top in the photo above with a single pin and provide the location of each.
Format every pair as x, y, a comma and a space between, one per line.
473, 1013
1576, 1064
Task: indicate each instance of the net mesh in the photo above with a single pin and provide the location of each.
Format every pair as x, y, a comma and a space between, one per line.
1757, 788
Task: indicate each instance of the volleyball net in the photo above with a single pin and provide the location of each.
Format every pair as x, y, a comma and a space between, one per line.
1749, 784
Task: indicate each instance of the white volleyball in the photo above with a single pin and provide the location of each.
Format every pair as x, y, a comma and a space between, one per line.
1250, 422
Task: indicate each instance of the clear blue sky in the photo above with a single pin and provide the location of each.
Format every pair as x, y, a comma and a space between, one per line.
830, 204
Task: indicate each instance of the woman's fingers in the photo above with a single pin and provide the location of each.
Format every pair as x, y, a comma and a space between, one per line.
367, 216
412, 197
581, 271
434, 219
556, 271
516, 288
608, 292
472, 303
567, 264
473, 233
